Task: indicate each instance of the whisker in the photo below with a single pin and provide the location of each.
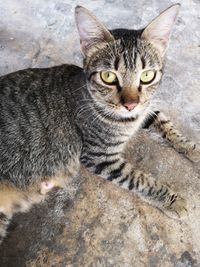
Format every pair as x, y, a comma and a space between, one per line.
82, 110
77, 89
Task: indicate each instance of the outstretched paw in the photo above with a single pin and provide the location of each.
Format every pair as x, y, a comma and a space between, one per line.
177, 208
194, 153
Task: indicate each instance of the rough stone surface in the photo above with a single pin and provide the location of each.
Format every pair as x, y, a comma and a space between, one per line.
96, 223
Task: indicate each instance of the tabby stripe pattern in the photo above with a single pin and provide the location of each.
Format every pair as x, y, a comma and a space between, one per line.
114, 168
178, 141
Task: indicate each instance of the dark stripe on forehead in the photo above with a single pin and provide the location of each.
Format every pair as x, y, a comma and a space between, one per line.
116, 63
135, 56
143, 62
135, 52
107, 63
125, 59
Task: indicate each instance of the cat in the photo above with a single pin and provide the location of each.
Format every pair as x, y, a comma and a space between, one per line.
53, 120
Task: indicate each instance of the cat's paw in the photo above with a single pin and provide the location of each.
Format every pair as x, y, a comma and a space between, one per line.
194, 153
178, 209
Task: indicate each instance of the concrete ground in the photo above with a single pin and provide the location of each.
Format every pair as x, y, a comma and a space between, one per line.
96, 223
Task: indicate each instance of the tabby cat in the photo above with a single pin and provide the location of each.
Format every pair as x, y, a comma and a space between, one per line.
54, 119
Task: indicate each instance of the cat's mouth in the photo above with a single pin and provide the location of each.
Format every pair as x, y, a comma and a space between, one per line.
119, 111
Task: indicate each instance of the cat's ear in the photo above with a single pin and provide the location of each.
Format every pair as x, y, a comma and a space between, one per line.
159, 30
91, 30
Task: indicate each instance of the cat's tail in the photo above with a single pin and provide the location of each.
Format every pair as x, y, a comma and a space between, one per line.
4, 223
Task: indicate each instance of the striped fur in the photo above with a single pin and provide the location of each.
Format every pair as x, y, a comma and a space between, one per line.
53, 119
182, 144
127, 54
105, 159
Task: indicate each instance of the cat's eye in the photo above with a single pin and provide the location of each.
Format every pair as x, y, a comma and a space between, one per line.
108, 77
147, 76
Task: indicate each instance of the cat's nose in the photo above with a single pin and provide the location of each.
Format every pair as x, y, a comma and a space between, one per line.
130, 105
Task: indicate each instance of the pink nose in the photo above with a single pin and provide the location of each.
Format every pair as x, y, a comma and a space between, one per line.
130, 105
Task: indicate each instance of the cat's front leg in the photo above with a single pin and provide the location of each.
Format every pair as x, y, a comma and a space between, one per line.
123, 174
182, 144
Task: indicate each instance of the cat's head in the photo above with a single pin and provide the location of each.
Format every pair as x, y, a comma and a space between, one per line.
123, 67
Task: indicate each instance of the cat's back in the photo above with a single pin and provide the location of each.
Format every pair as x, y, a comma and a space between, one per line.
29, 79
36, 122
39, 93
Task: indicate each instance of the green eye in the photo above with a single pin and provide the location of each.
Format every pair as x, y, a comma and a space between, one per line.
108, 77
147, 76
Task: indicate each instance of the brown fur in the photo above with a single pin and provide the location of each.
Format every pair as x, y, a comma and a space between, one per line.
130, 95
13, 199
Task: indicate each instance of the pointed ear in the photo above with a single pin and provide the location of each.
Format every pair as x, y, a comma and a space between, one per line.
91, 30
159, 30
